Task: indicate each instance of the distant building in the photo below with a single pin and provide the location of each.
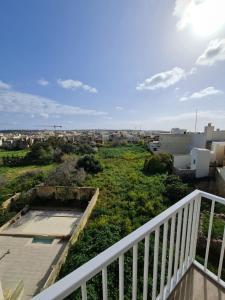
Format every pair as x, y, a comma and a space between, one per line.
178, 131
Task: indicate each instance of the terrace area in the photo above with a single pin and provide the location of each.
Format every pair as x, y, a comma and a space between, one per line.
172, 266
35, 242
31, 245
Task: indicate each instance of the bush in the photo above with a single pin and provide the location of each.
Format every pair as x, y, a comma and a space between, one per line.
67, 174
41, 153
158, 164
175, 189
90, 164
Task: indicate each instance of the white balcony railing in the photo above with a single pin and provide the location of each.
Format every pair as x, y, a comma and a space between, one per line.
178, 225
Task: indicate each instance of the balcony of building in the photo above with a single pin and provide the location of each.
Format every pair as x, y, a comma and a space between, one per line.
172, 266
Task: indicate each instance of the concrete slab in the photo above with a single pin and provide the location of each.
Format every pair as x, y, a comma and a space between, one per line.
197, 286
42, 222
30, 258
20, 259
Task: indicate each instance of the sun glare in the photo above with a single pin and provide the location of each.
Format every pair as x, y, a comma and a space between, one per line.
208, 16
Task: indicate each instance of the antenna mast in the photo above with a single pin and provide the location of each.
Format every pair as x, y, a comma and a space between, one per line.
196, 120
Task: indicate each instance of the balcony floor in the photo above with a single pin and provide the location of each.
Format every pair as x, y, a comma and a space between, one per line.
195, 285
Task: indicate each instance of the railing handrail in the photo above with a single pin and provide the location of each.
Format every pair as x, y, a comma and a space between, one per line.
74, 280
212, 197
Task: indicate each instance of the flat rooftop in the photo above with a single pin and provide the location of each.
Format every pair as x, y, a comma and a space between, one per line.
32, 246
45, 222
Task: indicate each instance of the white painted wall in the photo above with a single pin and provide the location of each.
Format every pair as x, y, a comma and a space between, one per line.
182, 161
200, 160
197, 140
174, 143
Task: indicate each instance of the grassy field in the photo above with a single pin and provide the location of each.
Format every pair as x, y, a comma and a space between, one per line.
128, 198
17, 179
20, 153
11, 173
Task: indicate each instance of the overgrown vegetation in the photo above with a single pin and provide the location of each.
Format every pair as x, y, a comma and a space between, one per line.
47, 152
158, 164
128, 198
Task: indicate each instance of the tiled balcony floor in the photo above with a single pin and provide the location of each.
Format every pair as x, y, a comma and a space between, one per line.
197, 286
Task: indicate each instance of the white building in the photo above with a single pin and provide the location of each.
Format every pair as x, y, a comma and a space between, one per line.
178, 143
178, 131
218, 148
200, 161
195, 164
214, 135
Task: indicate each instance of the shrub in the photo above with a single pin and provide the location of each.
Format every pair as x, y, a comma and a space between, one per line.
90, 164
175, 189
158, 164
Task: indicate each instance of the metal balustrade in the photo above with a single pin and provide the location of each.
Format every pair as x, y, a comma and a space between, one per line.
175, 234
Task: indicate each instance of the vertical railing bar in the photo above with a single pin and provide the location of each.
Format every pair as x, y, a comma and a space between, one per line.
221, 256
190, 215
172, 233
184, 231
193, 229
146, 266
155, 268
197, 225
84, 291
209, 235
163, 265
177, 246
121, 277
104, 284
134, 283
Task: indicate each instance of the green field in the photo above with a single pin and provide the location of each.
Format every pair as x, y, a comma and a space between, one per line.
11, 173
18, 179
127, 199
20, 153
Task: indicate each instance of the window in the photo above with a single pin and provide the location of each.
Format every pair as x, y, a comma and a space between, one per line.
194, 161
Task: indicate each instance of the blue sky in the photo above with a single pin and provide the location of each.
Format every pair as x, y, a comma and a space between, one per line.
111, 64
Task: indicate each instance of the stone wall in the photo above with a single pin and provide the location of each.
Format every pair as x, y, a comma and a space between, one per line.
61, 196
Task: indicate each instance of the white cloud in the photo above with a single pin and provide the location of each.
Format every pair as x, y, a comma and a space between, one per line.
75, 84
203, 117
209, 91
4, 86
43, 82
119, 108
214, 52
17, 102
163, 79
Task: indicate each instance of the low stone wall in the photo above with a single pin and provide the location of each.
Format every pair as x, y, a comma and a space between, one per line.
7, 203
61, 196
56, 268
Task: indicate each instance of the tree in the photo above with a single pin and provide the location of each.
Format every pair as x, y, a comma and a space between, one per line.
90, 164
41, 153
158, 164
